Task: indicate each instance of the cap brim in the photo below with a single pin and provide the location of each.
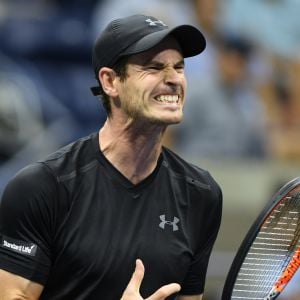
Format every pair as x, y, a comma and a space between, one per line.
190, 39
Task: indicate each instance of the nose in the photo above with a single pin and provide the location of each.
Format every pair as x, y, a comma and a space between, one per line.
172, 77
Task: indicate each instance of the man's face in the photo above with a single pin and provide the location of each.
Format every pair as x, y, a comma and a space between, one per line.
155, 86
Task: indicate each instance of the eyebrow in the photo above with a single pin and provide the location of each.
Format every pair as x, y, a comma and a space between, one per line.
160, 64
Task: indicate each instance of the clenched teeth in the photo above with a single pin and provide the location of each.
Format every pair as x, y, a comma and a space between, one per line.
168, 98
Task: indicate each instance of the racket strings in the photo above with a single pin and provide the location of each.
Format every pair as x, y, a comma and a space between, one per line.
287, 218
289, 214
273, 252
289, 271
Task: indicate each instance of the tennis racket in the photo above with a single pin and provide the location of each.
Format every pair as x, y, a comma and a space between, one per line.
269, 255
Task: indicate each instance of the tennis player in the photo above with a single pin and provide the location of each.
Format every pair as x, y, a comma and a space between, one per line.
77, 224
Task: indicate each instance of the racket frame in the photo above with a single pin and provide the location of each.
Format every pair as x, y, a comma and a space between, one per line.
252, 234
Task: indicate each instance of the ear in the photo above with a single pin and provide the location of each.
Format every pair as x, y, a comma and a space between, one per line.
107, 78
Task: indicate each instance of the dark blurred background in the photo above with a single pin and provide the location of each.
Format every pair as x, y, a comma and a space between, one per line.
242, 112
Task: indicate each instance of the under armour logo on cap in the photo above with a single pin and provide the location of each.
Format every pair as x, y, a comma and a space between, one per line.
164, 222
155, 23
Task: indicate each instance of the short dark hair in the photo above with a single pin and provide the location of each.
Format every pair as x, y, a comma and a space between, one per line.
120, 68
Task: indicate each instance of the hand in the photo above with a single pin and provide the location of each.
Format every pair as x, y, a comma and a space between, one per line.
132, 291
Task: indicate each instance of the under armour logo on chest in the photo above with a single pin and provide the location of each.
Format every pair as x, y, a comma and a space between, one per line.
155, 23
165, 222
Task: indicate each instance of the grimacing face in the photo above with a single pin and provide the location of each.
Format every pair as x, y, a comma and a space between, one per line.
155, 86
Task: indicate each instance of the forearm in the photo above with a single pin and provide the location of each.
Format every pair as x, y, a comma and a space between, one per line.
14, 287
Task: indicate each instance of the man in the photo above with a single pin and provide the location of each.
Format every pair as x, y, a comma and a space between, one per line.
74, 224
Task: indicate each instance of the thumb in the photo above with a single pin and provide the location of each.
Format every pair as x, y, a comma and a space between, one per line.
137, 276
165, 291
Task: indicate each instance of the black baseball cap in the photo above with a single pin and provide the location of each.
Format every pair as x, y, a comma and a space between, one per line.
138, 33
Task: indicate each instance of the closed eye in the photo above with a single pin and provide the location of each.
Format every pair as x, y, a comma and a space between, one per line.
180, 66
156, 67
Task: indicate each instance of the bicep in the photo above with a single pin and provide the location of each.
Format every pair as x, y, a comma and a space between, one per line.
16, 287
192, 297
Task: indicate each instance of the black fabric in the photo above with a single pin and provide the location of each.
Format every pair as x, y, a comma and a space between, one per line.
90, 224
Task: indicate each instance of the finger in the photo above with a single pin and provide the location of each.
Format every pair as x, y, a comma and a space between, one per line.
165, 291
137, 276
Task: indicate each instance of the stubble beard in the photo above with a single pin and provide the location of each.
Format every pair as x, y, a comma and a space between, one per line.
142, 114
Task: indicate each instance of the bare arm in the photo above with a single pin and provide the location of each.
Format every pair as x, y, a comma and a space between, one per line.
14, 287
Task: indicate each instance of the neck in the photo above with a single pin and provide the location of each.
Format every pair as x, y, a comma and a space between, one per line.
132, 149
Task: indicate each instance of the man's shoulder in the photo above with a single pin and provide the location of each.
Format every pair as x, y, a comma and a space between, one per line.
71, 157
72, 149
41, 179
192, 173
200, 183
46, 172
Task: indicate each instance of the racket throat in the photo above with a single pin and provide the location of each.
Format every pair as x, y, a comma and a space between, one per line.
272, 295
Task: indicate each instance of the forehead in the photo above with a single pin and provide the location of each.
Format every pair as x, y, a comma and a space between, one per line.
168, 48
